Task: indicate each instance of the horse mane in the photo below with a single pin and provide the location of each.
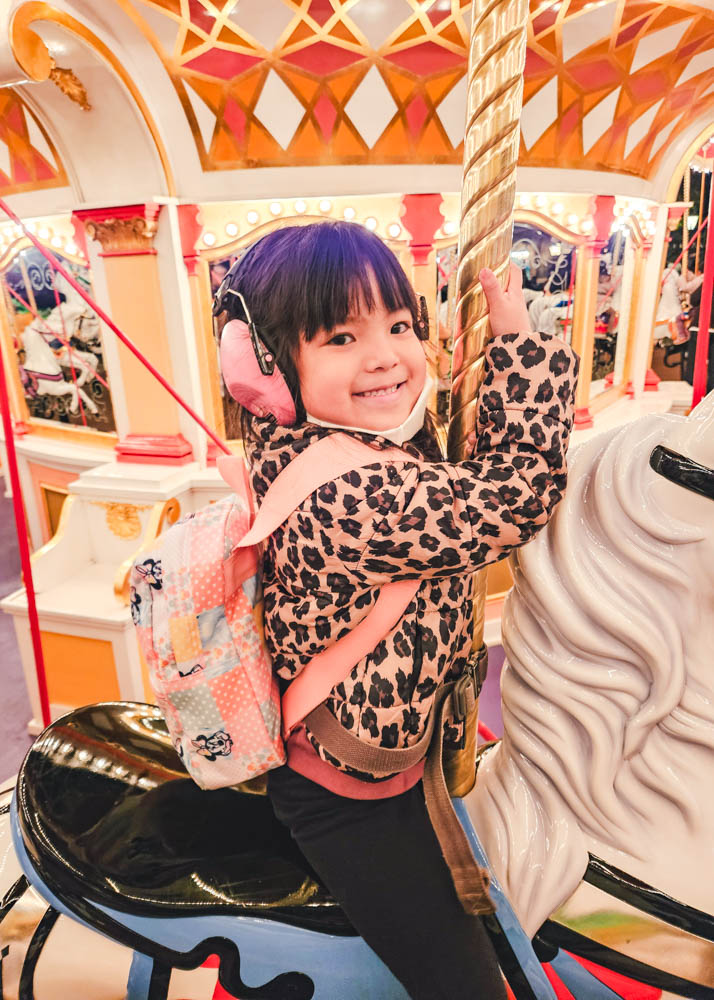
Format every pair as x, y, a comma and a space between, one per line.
595, 685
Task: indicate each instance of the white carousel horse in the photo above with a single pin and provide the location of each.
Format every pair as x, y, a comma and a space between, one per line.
608, 690
41, 362
71, 318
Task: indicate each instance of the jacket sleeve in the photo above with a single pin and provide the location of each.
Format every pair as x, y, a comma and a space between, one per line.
394, 521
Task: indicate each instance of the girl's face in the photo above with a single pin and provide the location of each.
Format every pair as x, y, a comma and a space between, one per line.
368, 372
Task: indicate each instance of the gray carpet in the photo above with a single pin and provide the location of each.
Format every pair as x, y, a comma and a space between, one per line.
15, 711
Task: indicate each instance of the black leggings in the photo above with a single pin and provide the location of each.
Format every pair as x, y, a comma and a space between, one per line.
381, 861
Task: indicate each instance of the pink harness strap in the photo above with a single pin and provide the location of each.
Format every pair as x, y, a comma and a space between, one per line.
334, 664
323, 461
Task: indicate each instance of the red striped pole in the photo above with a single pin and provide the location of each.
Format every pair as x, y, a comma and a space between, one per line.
701, 357
21, 526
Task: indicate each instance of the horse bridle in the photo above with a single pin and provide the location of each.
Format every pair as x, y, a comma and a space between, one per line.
683, 471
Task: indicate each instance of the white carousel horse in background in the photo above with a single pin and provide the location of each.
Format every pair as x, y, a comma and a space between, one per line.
42, 364
71, 318
608, 688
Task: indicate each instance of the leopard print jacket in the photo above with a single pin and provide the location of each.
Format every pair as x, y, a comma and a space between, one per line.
435, 521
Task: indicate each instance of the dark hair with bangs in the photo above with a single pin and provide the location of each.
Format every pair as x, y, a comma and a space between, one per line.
298, 280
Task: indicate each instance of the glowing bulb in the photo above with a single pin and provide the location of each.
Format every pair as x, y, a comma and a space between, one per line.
540, 201
572, 220
349, 213
325, 205
586, 225
252, 216
449, 228
209, 239
56, 241
524, 200
30, 226
300, 207
394, 230
370, 223
72, 249
231, 229
44, 233
557, 208
651, 228
275, 208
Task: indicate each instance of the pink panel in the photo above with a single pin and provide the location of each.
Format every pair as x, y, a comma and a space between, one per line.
20, 172
426, 58
325, 113
535, 63
568, 122
234, 118
649, 86
320, 11
43, 171
416, 114
595, 75
200, 16
321, 58
544, 21
14, 118
628, 33
221, 63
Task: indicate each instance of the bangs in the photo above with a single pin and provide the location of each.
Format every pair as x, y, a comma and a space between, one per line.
346, 266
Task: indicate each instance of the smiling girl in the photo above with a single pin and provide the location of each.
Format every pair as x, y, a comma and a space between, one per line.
335, 309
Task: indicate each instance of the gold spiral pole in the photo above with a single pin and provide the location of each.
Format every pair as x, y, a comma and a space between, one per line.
495, 95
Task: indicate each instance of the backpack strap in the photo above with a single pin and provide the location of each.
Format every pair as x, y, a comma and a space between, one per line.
320, 463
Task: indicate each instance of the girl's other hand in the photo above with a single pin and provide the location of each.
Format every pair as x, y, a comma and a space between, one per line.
507, 310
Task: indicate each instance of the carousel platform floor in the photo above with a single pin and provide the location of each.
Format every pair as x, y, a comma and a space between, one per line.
15, 712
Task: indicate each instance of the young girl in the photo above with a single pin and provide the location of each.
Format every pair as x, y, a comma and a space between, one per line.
332, 304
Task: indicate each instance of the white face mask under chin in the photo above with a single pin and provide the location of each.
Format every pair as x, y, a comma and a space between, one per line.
397, 435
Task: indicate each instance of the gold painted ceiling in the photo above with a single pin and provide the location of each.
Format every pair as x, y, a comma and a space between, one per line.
278, 82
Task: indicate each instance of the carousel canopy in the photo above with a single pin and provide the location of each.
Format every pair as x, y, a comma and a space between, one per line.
147, 97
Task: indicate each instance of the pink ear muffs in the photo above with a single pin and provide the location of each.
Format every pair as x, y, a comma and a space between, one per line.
260, 394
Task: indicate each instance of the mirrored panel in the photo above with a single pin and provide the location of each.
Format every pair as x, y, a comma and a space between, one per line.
548, 266
57, 341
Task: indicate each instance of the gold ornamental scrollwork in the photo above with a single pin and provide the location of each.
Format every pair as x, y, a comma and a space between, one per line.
71, 86
122, 518
121, 234
162, 513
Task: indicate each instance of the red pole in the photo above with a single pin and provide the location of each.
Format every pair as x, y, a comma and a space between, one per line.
114, 328
21, 526
701, 358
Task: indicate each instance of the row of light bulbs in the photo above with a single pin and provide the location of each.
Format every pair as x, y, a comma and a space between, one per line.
253, 217
556, 210
12, 233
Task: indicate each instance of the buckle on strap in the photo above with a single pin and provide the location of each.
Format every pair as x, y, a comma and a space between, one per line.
468, 687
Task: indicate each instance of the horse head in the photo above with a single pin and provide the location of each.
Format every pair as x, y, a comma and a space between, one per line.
607, 692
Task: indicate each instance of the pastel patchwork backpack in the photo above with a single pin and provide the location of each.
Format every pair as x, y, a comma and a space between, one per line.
196, 601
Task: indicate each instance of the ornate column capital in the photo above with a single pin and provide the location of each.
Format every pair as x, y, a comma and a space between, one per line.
127, 230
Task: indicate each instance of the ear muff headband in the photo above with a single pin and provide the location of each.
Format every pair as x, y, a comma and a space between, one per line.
248, 367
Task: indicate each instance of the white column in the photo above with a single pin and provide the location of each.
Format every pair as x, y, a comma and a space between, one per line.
178, 312
648, 304
628, 272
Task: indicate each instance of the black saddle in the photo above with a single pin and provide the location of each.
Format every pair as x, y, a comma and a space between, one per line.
107, 812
